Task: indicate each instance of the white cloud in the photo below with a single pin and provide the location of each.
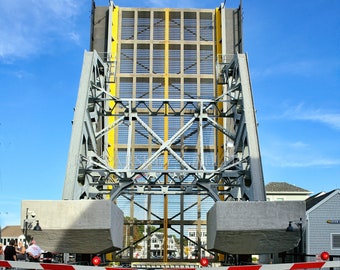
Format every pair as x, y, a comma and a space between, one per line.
300, 112
316, 115
280, 153
74, 37
27, 27
304, 68
298, 145
62, 8
308, 162
332, 120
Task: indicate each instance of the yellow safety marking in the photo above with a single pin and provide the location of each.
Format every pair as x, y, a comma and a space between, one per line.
166, 127
220, 136
218, 35
112, 86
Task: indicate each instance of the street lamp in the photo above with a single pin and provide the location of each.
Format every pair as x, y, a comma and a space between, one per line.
37, 227
290, 228
28, 223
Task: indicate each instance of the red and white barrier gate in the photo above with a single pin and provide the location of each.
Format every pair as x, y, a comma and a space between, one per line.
284, 266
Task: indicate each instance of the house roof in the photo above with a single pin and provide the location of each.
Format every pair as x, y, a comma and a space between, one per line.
284, 187
317, 198
11, 231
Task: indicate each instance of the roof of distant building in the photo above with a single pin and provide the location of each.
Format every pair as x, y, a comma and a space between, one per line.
11, 231
315, 199
284, 187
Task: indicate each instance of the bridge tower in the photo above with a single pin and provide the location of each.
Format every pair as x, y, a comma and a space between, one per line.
164, 125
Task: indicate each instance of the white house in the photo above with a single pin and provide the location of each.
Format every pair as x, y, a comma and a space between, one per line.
156, 248
282, 191
12, 232
192, 245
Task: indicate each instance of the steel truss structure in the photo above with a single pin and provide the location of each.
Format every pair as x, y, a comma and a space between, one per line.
231, 180
161, 132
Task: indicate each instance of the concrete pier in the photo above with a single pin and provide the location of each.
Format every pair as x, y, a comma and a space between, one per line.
248, 227
75, 226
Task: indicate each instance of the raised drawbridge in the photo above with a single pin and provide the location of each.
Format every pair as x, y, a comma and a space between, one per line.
164, 127
164, 124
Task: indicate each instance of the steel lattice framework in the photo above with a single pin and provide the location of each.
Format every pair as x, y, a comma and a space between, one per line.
232, 179
164, 124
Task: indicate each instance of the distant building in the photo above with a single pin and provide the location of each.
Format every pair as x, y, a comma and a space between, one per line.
194, 237
323, 223
157, 245
156, 249
282, 191
12, 232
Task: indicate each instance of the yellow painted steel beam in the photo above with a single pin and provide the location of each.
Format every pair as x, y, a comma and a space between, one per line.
113, 58
220, 137
218, 34
166, 127
112, 51
221, 121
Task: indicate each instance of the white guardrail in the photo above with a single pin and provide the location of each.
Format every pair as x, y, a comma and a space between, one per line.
285, 266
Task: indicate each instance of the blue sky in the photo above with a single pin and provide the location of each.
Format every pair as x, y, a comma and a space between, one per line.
294, 57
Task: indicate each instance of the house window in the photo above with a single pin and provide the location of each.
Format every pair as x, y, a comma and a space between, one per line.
335, 241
